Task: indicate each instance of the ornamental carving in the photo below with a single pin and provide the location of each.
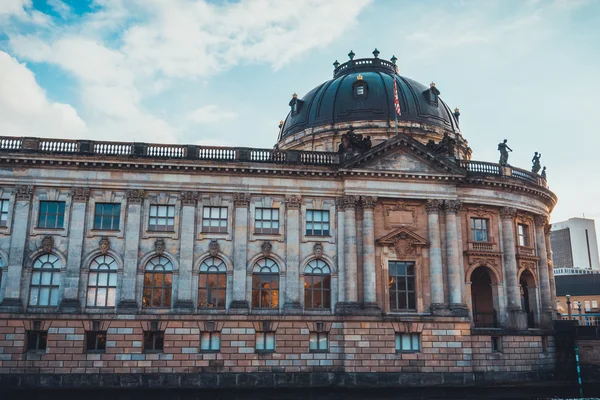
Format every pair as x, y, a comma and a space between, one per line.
47, 244
293, 202
403, 242
400, 214
508, 212
528, 265
214, 248
23, 192
433, 206
485, 261
404, 246
318, 250
349, 202
540, 220
452, 206
266, 249
241, 199
368, 202
548, 229
80, 193
159, 246
479, 211
135, 196
104, 245
354, 143
189, 198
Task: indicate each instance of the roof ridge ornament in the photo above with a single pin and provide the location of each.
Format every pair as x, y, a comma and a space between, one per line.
376, 53
351, 55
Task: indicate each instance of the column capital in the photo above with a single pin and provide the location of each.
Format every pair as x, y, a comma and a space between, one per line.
349, 202
452, 206
368, 202
433, 206
81, 194
241, 199
548, 229
136, 196
540, 220
188, 198
293, 202
508, 212
23, 192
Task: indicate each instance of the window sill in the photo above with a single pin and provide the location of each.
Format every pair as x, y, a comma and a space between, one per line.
209, 351
319, 351
408, 351
265, 311
264, 351
153, 352
95, 352
95, 230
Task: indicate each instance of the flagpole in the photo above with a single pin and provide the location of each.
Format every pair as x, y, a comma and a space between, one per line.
396, 119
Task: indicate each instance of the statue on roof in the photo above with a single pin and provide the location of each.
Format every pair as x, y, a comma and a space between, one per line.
354, 142
535, 168
543, 174
504, 149
446, 146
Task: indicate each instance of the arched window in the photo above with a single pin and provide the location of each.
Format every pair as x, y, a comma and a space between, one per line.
102, 282
158, 282
212, 284
317, 285
265, 284
45, 281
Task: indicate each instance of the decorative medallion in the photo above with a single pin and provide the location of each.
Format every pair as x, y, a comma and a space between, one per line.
80, 193
403, 242
213, 247
159, 246
241, 199
104, 245
508, 212
266, 249
47, 244
23, 192
433, 206
189, 198
404, 245
368, 202
318, 250
293, 202
135, 196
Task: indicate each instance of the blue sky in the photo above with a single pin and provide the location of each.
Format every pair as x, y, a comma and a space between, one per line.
222, 72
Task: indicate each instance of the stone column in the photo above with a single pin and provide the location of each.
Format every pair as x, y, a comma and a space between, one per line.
547, 234
128, 300
516, 316
18, 239
435, 256
545, 291
241, 202
70, 300
350, 306
455, 283
341, 259
292, 255
183, 302
369, 276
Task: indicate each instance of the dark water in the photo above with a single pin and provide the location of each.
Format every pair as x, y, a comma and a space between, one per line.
497, 393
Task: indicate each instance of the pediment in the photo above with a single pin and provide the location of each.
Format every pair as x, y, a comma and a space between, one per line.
401, 161
404, 234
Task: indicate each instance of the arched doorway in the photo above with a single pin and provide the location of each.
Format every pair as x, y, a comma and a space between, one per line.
528, 297
482, 299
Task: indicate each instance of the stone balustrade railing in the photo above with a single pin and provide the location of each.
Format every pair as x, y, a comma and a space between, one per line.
225, 154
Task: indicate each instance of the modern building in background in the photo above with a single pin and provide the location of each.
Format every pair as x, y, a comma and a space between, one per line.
574, 246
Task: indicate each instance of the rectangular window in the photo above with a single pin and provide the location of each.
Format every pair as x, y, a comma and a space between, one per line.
214, 219
544, 344
107, 216
95, 341
210, 341
3, 212
402, 286
523, 231
265, 341
318, 342
37, 338
162, 218
594, 304
266, 221
408, 342
154, 341
317, 223
496, 344
52, 215
479, 230
587, 305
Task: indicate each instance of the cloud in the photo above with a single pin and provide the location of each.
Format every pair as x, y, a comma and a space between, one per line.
22, 10
25, 110
60, 7
211, 114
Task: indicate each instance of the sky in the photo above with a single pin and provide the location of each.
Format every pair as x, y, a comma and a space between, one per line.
222, 72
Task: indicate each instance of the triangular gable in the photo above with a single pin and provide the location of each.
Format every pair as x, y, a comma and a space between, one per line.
402, 234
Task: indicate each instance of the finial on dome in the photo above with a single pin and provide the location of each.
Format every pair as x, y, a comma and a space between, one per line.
359, 77
336, 64
294, 96
376, 52
393, 60
280, 124
432, 84
456, 113
351, 55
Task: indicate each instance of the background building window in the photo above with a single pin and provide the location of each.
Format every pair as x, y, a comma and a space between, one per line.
154, 341
52, 215
317, 223
265, 341
587, 307
408, 342
214, 219
318, 342
158, 281
496, 344
210, 341
265, 284
37, 339
479, 230
317, 285
102, 282
266, 220
95, 341
402, 286
594, 304
162, 218
523, 231
3, 212
45, 281
107, 216
212, 284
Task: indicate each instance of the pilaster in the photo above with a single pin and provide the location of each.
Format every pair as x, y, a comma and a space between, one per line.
292, 255
435, 257
350, 306
369, 276
452, 207
544, 278
183, 302
241, 202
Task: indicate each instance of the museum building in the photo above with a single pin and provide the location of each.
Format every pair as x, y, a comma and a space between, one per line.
366, 244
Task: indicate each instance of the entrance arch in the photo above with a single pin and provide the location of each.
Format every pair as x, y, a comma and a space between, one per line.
528, 288
484, 298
